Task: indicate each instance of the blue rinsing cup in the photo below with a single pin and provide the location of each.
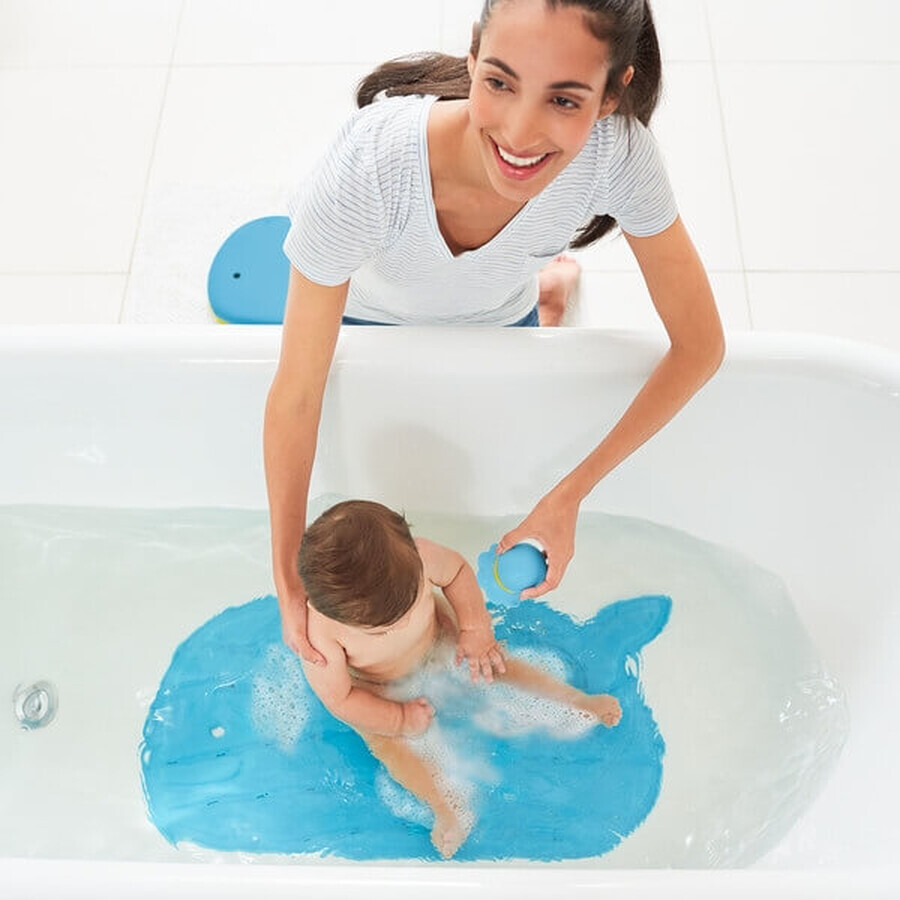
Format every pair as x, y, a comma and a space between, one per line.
503, 576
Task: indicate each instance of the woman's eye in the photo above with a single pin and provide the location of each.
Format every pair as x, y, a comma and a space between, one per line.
565, 103
497, 84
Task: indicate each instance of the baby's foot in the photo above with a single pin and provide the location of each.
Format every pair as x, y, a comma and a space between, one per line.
605, 708
557, 281
449, 832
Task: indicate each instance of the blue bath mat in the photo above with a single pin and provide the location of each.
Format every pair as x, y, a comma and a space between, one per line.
248, 279
239, 754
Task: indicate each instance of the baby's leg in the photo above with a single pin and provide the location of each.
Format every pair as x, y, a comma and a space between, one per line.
603, 707
416, 775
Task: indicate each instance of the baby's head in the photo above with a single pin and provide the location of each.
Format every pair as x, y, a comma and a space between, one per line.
360, 565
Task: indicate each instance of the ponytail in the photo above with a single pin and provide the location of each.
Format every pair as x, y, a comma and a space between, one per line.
446, 77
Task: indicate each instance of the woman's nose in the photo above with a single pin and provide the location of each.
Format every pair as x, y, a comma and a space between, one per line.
522, 130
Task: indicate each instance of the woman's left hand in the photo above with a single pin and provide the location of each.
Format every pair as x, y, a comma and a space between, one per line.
552, 524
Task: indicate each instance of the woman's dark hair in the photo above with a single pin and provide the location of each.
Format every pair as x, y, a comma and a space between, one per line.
626, 26
360, 565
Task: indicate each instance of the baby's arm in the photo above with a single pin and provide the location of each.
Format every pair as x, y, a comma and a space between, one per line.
358, 707
449, 571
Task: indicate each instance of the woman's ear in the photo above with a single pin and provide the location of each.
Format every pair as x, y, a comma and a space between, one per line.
611, 101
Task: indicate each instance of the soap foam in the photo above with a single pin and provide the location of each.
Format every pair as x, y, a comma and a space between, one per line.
279, 706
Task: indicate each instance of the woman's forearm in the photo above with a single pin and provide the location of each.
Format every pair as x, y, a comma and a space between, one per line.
679, 375
289, 445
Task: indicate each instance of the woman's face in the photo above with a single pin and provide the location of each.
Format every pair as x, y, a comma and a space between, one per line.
537, 89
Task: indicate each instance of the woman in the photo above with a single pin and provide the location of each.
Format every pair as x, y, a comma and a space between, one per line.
443, 203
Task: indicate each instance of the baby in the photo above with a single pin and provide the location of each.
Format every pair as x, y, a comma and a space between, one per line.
374, 616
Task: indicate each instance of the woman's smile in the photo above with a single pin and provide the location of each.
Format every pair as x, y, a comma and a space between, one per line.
519, 167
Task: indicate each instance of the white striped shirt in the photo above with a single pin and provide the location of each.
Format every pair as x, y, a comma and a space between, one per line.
367, 213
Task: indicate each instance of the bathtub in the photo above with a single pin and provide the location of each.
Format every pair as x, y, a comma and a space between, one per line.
790, 455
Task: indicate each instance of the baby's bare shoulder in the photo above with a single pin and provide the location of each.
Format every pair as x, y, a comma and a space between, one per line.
440, 563
323, 633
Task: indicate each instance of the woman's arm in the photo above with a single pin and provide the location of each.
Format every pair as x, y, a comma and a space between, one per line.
311, 324
683, 299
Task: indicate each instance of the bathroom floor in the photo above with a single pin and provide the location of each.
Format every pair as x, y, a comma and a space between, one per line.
137, 135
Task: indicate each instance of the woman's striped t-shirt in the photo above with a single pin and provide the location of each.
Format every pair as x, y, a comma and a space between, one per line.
366, 213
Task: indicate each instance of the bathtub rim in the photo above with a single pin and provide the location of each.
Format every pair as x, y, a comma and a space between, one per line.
99, 878
632, 348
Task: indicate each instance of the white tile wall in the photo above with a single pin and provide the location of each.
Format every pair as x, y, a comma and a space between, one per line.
135, 135
64, 33
266, 32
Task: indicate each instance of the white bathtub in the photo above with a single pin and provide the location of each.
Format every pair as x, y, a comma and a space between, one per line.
791, 455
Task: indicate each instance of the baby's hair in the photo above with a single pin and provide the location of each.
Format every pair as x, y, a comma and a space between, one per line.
626, 26
360, 565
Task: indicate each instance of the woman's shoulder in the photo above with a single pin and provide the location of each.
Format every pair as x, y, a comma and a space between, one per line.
387, 119
616, 133
380, 139
623, 146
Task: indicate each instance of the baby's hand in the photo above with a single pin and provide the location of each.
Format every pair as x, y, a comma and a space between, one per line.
417, 716
479, 646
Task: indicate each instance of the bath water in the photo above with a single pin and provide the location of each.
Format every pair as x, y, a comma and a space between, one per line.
749, 719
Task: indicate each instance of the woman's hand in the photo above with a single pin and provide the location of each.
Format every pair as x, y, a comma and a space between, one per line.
479, 646
292, 603
552, 524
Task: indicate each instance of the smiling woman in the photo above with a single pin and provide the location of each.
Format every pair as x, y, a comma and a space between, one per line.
450, 197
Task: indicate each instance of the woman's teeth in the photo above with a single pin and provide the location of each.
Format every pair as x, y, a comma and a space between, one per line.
521, 162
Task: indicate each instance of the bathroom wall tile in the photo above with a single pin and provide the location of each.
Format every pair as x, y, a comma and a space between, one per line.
73, 165
457, 18
814, 164
620, 300
688, 129
680, 24
233, 143
682, 30
859, 306
61, 299
810, 30
218, 32
87, 32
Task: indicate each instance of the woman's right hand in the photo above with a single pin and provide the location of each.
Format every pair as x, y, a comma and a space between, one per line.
292, 603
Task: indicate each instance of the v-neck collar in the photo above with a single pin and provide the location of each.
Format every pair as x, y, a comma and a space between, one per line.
428, 192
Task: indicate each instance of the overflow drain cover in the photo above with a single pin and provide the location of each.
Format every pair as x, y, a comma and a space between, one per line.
35, 704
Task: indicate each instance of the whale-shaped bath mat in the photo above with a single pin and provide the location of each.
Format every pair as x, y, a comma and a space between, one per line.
240, 755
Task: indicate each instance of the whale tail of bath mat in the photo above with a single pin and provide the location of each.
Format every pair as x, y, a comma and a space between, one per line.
248, 278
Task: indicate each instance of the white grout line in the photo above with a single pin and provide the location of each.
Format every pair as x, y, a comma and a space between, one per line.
734, 206
159, 118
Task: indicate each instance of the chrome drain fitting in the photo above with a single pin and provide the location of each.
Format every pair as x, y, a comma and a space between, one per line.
35, 704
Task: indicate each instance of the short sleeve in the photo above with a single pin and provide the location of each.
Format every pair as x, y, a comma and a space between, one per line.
338, 216
640, 196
